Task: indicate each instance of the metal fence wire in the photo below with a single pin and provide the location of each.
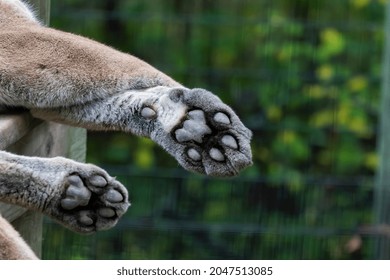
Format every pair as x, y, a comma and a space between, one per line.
304, 75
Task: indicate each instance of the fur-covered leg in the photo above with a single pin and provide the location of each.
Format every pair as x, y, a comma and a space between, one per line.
208, 138
195, 126
12, 245
82, 197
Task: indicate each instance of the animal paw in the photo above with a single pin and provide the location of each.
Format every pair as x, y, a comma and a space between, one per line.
201, 132
91, 202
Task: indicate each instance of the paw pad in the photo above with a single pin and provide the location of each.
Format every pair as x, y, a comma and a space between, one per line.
76, 194
93, 202
194, 154
208, 137
114, 196
97, 181
148, 113
221, 118
229, 141
216, 154
106, 212
85, 219
194, 128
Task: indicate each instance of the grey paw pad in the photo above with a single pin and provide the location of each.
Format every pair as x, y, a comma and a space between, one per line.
75, 181
90, 201
183, 136
148, 113
76, 194
197, 115
85, 218
98, 181
194, 154
216, 154
106, 212
221, 118
229, 141
81, 194
194, 129
69, 204
206, 136
114, 196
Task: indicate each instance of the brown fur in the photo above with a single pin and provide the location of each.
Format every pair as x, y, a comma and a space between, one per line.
12, 246
76, 55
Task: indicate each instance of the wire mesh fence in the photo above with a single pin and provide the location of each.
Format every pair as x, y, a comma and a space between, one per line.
305, 76
186, 217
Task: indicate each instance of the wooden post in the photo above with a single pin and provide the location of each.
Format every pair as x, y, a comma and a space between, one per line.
382, 188
22, 134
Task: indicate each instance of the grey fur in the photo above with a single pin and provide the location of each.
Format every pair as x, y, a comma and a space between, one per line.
61, 188
191, 127
73, 80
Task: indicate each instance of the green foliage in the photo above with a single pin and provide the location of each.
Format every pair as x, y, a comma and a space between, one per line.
303, 75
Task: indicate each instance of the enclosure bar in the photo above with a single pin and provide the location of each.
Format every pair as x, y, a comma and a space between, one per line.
382, 187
